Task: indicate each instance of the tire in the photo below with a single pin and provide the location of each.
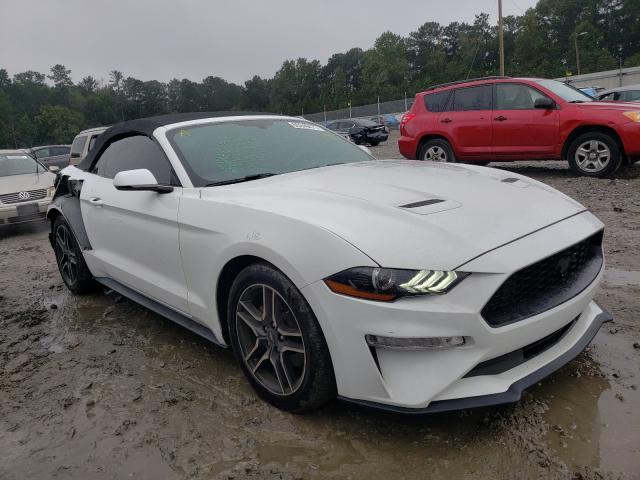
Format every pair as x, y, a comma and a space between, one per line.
73, 269
374, 144
437, 150
594, 154
293, 370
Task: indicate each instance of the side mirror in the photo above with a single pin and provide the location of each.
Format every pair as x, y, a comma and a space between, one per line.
544, 102
139, 180
54, 169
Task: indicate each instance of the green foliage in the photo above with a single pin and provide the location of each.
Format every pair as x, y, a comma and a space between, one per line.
540, 42
58, 124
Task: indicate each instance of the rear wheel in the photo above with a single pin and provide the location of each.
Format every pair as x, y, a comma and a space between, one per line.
594, 154
278, 342
437, 150
71, 264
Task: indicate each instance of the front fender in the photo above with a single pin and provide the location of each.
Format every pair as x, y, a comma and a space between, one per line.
213, 234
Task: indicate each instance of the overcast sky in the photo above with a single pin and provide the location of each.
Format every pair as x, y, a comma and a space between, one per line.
233, 39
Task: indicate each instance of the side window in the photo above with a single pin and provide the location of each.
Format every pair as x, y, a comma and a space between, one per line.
437, 102
630, 95
472, 98
77, 147
131, 153
59, 151
92, 142
42, 153
510, 96
608, 97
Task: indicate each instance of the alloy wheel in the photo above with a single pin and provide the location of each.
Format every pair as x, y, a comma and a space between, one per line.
270, 340
436, 154
593, 156
66, 254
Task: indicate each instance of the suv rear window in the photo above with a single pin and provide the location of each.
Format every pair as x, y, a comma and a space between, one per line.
437, 102
473, 98
77, 147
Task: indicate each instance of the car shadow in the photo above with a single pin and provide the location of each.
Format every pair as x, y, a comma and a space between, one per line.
561, 170
8, 231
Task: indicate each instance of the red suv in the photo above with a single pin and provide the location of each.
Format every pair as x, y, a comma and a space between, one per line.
504, 119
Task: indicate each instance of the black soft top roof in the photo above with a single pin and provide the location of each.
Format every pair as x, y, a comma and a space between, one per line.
146, 126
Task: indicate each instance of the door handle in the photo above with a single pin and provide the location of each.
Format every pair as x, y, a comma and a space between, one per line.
96, 201
500, 118
446, 120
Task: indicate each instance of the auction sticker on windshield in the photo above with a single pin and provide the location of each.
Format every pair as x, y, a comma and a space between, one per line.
307, 126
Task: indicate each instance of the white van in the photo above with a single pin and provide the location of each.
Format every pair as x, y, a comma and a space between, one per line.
83, 143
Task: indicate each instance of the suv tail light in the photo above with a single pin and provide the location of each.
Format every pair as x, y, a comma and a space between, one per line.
406, 118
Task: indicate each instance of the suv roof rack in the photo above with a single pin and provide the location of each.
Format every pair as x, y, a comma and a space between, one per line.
448, 84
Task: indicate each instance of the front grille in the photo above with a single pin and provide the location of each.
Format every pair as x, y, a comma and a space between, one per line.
18, 197
546, 284
28, 218
501, 364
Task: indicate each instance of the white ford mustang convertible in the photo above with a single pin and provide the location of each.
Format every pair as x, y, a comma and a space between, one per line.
406, 285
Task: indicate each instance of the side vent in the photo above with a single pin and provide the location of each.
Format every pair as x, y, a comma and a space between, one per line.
423, 203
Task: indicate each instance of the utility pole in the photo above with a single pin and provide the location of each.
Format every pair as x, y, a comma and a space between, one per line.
501, 37
575, 41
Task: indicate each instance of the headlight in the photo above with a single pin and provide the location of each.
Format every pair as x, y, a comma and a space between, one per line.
387, 284
634, 116
50, 191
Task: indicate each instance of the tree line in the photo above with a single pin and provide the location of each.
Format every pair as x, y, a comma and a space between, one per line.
38, 109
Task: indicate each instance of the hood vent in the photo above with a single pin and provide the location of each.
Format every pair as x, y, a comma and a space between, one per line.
510, 180
423, 203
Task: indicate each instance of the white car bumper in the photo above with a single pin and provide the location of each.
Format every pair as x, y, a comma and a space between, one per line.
444, 379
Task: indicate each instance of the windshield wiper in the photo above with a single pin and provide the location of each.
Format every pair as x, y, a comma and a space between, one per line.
578, 101
248, 178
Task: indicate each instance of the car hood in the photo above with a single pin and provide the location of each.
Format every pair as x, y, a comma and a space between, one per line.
618, 106
29, 181
409, 214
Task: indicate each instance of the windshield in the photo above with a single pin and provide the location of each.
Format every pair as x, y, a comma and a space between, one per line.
564, 91
225, 151
18, 164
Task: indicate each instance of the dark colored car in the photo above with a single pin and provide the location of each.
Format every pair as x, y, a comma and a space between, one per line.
361, 131
505, 119
630, 93
51, 155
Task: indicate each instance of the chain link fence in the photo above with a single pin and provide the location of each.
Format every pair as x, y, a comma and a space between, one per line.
394, 107
606, 79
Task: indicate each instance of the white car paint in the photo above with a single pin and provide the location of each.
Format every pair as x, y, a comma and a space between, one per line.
312, 224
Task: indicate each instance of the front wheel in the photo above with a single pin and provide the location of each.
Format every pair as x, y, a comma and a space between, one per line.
71, 264
437, 150
278, 342
594, 154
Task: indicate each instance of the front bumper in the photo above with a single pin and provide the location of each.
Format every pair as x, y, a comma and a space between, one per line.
440, 379
377, 137
9, 214
630, 136
514, 392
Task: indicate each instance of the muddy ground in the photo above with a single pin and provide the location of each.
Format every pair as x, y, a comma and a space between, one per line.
98, 387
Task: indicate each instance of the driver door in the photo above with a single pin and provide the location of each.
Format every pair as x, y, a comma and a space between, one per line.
134, 234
